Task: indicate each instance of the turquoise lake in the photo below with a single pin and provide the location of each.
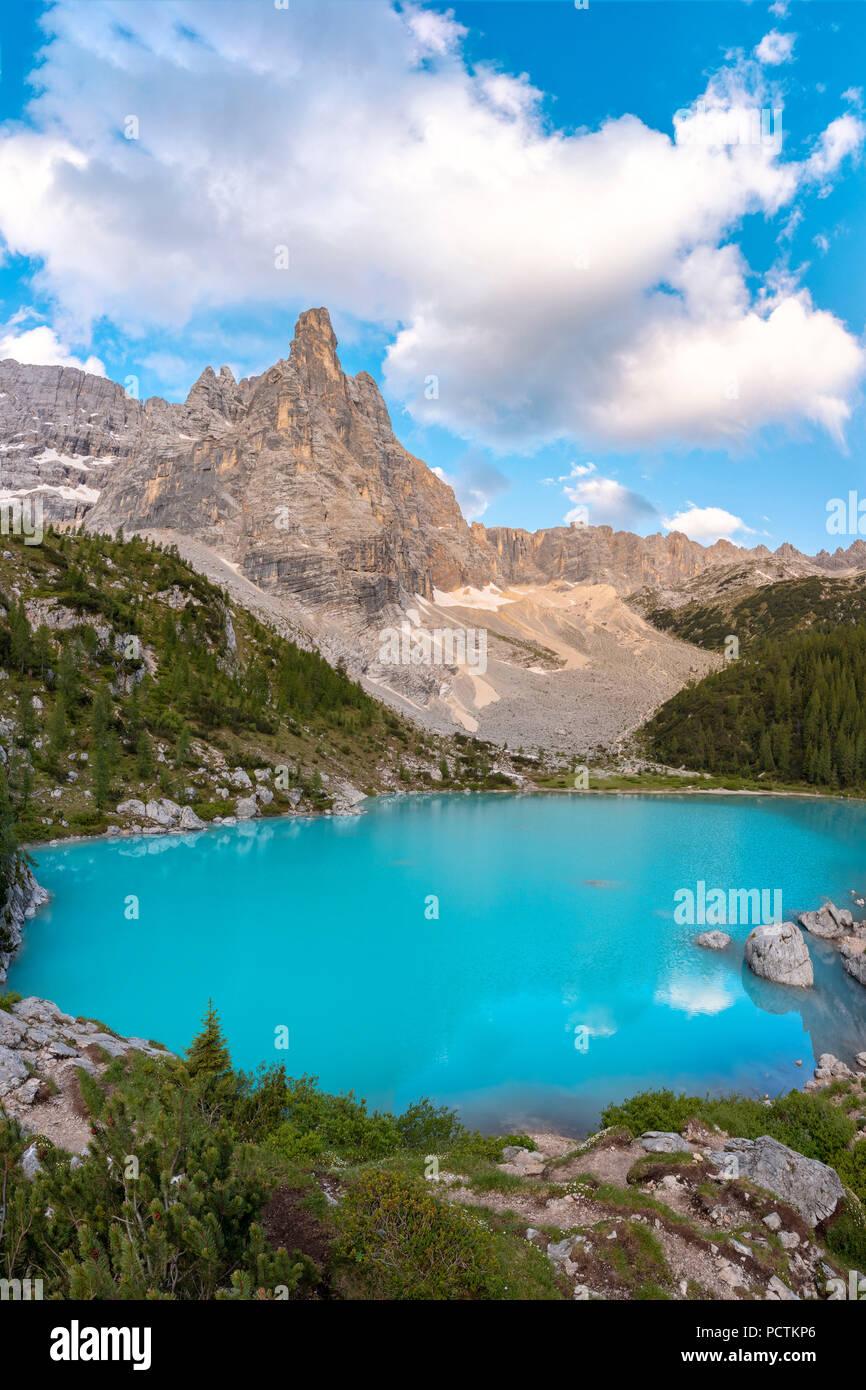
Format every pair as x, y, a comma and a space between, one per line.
556, 914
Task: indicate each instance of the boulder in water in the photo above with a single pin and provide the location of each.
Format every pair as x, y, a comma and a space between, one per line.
713, 940
828, 922
778, 952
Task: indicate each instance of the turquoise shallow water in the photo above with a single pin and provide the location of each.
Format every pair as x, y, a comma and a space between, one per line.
555, 914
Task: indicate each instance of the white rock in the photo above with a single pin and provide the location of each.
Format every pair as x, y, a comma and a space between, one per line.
779, 953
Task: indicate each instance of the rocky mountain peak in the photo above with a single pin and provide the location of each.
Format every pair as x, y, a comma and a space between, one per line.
314, 350
212, 393
296, 478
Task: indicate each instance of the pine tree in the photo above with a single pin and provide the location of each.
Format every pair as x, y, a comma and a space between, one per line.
58, 731
42, 651
160, 1207
208, 1052
182, 747
26, 718
20, 639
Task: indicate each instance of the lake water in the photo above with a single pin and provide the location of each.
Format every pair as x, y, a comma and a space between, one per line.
555, 927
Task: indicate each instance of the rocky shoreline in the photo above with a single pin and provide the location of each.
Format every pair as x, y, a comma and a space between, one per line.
42, 1053
23, 902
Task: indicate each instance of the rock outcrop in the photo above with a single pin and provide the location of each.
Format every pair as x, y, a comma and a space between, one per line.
657, 1141
296, 476
810, 1187
828, 922
42, 1050
779, 953
23, 902
164, 814
856, 968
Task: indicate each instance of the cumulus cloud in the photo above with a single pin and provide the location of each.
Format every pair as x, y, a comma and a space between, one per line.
775, 48
559, 284
41, 347
475, 482
707, 524
600, 501
842, 138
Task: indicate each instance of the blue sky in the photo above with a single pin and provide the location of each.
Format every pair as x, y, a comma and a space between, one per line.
588, 283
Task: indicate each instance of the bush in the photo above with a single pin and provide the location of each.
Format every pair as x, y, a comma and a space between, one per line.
404, 1244
846, 1238
88, 820
805, 1122
313, 1123
428, 1127
206, 810
851, 1167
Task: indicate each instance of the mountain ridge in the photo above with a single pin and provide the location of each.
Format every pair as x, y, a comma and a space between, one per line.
309, 490
293, 481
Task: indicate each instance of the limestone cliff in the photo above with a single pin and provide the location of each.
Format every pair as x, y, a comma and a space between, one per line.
296, 478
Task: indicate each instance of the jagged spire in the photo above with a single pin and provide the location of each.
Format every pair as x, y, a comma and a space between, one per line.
314, 348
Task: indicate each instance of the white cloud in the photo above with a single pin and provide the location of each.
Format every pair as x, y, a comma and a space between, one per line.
707, 524
775, 48
435, 34
41, 347
842, 138
560, 285
599, 501
475, 482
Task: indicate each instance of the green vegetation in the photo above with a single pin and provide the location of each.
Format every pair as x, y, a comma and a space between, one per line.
202, 1182
775, 611
129, 675
408, 1245
794, 710
805, 1121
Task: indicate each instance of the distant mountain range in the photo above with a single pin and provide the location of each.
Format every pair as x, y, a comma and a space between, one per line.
294, 484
